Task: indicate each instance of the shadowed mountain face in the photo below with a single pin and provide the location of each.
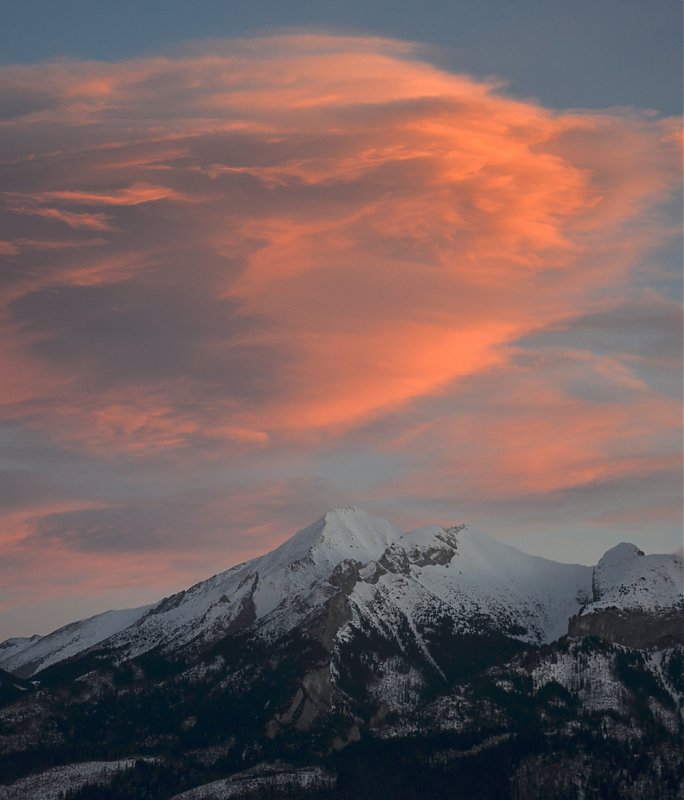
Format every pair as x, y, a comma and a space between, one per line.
353, 638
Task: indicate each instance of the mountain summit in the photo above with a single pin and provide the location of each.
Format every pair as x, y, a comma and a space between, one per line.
346, 532
628, 578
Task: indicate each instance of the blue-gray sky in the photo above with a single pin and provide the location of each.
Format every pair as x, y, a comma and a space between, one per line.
584, 53
263, 258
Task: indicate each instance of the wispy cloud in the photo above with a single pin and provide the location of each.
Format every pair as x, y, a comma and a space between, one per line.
89, 221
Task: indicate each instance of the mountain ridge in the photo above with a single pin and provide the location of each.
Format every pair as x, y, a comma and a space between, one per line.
467, 575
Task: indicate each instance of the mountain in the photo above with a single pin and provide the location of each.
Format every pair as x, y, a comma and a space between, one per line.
627, 578
25, 656
356, 658
474, 579
637, 600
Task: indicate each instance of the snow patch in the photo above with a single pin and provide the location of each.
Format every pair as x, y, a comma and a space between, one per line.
47, 785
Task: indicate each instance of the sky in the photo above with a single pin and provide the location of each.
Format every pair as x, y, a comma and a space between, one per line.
261, 259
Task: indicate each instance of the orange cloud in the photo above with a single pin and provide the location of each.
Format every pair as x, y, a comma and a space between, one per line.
372, 230
539, 425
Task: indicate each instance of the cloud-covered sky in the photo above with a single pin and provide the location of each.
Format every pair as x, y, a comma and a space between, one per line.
253, 278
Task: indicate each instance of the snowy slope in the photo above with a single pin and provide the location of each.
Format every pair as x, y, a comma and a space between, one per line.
26, 656
284, 583
392, 581
54, 783
284, 781
471, 577
17, 644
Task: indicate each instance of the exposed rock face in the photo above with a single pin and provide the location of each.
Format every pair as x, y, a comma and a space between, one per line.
246, 613
311, 701
630, 627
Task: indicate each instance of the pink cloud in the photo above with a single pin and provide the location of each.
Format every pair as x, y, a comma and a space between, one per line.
93, 222
132, 195
397, 224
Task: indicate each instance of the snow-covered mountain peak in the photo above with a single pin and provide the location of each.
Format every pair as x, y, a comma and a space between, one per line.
350, 532
621, 553
627, 578
343, 533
